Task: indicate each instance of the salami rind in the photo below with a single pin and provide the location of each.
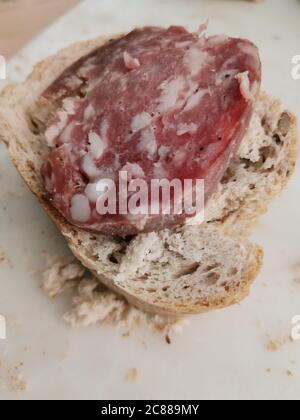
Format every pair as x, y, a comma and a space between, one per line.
158, 103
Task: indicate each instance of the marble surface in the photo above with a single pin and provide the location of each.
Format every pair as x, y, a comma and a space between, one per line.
221, 355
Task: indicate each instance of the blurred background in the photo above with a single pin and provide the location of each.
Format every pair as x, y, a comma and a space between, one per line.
21, 20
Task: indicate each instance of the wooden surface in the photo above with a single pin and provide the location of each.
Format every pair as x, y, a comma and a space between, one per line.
21, 20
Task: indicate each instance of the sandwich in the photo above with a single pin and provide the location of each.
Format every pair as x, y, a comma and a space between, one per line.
104, 116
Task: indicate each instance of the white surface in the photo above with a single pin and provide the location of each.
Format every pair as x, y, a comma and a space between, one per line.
220, 355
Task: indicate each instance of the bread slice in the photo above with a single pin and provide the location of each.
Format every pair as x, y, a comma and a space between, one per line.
186, 270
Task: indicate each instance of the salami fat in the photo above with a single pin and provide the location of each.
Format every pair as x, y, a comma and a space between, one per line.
157, 103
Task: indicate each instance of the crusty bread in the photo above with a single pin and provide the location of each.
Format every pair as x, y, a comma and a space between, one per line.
261, 169
186, 270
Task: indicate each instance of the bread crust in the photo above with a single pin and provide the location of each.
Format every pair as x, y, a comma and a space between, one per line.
27, 152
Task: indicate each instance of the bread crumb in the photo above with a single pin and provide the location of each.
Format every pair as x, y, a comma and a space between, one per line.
18, 383
131, 375
258, 324
295, 268
2, 256
297, 280
273, 345
12, 377
94, 304
61, 274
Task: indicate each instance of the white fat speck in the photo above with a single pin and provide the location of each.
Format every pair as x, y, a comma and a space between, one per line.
104, 131
123, 83
89, 167
255, 88
159, 171
186, 128
131, 63
163, 151
195, 99
141, 121
216, 40
72, 82
116, 164
63, 118
212, 148
195, 59
104, 185
139, 221
91, 61
183, 44
170, 92
80, 208
93, 83
89, 112
224, 75
94, 190
147, 142
86, 69
51, 134
97, 146
201, 41
192, 88
243, 79
49, 182
69, 106
134, 171
115, 76
229, 63
54, 130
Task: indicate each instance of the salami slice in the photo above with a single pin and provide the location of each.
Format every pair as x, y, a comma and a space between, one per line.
157, 103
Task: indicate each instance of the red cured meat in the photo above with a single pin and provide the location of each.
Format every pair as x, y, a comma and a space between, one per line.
163, 103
